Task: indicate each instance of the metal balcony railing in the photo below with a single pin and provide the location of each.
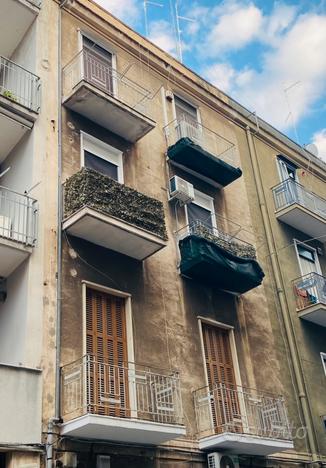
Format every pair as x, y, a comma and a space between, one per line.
214, 230
85, 66
309, 290
18, 217
37, 3
227, 408
19, 85
289, 192
125, 391
212, 142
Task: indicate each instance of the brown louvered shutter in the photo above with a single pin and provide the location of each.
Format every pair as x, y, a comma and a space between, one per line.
221, 377
106, 346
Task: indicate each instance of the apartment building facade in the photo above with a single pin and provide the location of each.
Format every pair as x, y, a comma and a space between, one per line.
182, 321
28, 223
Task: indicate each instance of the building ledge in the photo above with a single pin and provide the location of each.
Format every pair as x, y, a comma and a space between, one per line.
12, 254
302, 219
315, 314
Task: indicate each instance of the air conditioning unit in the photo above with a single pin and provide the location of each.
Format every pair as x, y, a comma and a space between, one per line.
5, 226
221, 460
181, 190
103, 461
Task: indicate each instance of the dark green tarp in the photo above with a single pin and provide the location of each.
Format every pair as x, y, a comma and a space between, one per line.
210, 264
186, 153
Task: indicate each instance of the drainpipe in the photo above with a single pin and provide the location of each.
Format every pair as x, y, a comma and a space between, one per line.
290, 333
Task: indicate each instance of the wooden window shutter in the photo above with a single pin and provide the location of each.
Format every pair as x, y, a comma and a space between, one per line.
106, 344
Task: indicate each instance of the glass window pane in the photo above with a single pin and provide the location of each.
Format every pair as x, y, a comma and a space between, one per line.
197, 213
101, 165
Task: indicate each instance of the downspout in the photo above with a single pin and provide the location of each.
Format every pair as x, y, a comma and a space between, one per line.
290, 333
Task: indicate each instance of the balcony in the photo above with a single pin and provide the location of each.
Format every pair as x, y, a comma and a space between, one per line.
15, 19
19, 103
106, 213
300, 208
18, 227
99, 93
241, 420
310, 297
201, 152
128, 403
213, 257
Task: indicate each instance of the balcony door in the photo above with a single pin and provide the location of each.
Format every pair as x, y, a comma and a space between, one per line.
187, 124
201, 214
106, 347
225, 406
98, 65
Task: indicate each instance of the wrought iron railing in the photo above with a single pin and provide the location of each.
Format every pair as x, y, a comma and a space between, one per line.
230, 408
126, 391
214, 230
18, 217
85, 66
215, 144
19, 85
309, 290
290, 192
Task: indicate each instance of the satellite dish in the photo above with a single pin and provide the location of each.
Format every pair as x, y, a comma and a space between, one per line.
312, 148
227, 462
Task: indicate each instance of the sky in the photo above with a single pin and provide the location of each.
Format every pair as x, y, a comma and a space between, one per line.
268, 55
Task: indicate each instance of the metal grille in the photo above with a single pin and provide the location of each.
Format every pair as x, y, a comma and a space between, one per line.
187, 127
153, 395
240, 410
19, 85
95, 71
18, 217
309, 290
289, 192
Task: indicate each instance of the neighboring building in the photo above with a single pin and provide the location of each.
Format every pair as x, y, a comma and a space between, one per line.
28, 223
180, 329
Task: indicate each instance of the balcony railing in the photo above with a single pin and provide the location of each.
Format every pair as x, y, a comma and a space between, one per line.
18, 217
242, 411
214, 229
19, 85
123, 391
309, 290
291, 192
212, 142
86, 67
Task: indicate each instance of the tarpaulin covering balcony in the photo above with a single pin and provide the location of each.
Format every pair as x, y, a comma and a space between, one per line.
186, 153
211, 264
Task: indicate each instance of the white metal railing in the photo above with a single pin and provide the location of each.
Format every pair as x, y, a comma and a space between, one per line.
18, 217
19, 85
37, 3
187, 127
289, 192
227, 408
128, 391
309, 290
214, 230
85, 66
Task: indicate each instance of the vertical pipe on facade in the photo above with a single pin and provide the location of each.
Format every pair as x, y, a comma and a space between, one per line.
290, 333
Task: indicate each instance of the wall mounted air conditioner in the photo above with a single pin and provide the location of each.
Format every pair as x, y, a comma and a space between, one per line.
5, 226
221, 460
181, 190
103, 461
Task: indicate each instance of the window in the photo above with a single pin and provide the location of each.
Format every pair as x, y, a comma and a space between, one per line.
98, 65
201, 210
287, 169
103, 461
183, 109
187, 124
2, 460
323, 360
308, 259
103, 158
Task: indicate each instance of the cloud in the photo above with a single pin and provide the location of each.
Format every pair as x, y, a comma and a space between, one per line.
125, 10
319, 139
160, 32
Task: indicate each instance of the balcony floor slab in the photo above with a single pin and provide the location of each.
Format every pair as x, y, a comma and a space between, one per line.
12, 254
302, 219
315, 313
109, 112
121, 430
112, 233
244, 444
12, 128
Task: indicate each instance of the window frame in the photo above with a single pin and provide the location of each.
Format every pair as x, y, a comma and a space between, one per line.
203, 200
282, 159
323, 361
101, 150
198, 117
308, 247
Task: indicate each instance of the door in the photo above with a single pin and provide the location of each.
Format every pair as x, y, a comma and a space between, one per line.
310, 289
97, 66
225, 405
200, 213
289, 191
106, 347
187, 125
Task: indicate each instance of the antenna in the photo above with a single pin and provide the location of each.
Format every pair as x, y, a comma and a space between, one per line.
290, 114
178, 30
5, 172
148, 2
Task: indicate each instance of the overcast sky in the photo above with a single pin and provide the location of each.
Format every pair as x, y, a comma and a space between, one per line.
269, 55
